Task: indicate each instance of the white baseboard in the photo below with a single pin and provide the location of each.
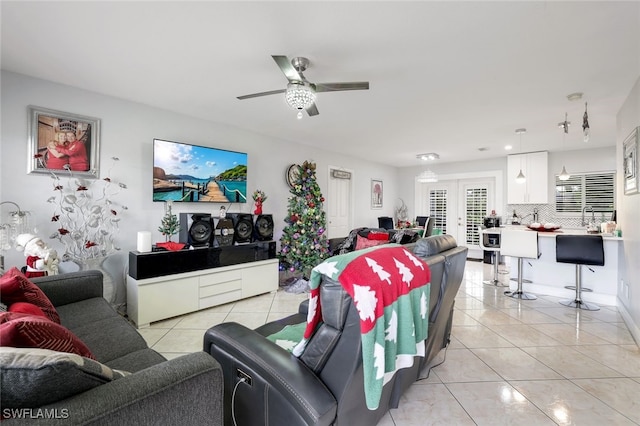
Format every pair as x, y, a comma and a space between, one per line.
633, 327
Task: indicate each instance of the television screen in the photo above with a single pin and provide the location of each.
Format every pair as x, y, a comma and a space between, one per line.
183, 172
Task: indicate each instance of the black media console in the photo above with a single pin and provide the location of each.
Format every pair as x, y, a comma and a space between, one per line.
160, 263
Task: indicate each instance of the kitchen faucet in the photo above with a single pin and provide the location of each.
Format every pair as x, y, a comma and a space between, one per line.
593, 215
534, 214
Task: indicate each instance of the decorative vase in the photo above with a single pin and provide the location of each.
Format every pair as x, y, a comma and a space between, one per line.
258, 209
95, 263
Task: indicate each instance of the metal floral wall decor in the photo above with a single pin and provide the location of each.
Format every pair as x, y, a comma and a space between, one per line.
86, 214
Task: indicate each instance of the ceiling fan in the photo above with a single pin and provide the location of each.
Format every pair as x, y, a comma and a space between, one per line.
300, 93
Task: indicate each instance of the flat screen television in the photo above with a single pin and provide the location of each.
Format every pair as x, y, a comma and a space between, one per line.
192, 173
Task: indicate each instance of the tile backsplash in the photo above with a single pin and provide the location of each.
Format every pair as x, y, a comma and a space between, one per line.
546, 214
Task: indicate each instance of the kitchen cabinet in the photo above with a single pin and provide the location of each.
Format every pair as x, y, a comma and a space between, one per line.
535, 190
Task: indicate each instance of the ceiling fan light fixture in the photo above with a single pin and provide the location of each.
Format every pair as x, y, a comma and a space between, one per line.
300, 96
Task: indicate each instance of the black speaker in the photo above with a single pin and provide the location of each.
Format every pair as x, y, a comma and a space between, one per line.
263, 229
242, 227
223, 234
196, 229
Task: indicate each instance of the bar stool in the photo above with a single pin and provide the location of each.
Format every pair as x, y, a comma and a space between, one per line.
580, 250
494, 248
521, 244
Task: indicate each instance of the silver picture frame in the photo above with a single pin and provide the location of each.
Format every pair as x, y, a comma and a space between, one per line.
63, 142
376, 194
630, 163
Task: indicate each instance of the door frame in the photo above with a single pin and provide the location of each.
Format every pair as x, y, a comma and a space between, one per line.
461, 228
351, 200
497, 175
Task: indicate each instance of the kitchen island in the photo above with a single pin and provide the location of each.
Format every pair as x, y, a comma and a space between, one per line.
550, 277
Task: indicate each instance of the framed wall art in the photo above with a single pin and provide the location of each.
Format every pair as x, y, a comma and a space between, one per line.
376, 194
63, 141
630, 162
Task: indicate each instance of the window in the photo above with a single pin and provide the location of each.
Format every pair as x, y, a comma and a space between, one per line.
590, 189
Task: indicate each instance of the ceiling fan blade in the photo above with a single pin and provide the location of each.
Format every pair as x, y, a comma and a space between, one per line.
312, 110
286, 67
338, 87
255, 95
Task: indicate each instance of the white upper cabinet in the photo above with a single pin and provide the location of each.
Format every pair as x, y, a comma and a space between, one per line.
534, 166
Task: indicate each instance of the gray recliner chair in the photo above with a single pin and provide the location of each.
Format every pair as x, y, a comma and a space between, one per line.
266, 385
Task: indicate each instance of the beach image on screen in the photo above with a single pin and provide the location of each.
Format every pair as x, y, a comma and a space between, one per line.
192, 173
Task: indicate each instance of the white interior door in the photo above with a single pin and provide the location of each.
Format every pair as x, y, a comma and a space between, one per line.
338, 203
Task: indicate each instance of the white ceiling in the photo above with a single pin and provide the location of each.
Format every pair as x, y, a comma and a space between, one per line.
449, 77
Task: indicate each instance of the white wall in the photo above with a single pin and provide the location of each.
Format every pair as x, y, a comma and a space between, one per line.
128, 130
628, 118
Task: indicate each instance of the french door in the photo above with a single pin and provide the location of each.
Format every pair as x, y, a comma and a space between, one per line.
459, 207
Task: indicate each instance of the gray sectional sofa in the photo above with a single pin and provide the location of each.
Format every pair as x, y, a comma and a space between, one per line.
181, 391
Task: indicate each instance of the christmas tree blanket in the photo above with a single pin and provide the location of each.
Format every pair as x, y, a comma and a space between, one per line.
390, 289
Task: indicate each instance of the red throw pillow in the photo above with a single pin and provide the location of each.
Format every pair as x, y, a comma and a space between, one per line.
363, 243
378, 236
29, 331
15, 287
27, 308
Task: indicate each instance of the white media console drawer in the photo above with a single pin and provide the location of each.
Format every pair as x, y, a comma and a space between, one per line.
158, 298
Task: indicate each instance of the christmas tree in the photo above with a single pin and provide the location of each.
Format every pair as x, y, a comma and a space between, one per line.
169, 225
304, 242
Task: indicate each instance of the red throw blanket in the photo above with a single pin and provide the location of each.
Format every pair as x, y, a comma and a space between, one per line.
390, 289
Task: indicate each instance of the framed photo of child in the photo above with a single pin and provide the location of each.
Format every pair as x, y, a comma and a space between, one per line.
61, 141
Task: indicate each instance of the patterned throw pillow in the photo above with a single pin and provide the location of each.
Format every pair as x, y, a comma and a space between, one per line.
363, 243
30, 331
349, 243
15, 287
405, 236
31, 378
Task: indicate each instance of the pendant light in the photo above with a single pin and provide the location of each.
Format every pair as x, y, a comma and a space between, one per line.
521, 178
427, 176
565, 129
586, 131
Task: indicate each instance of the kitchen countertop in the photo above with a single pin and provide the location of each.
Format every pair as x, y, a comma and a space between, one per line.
565, 231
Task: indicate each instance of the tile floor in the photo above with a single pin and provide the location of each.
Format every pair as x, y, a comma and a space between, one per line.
531, 362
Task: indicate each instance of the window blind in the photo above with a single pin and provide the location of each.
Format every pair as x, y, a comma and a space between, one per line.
476, 200
590, 189
438, 208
